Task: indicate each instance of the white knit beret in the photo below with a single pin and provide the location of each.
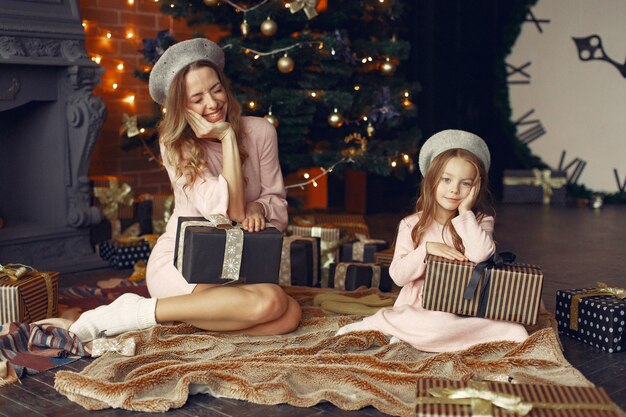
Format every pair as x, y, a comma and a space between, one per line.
177, 57
452, 139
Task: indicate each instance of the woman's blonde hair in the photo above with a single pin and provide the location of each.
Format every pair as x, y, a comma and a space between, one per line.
183, 150
426, 203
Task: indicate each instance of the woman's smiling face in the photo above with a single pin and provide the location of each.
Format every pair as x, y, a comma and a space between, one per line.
206, 94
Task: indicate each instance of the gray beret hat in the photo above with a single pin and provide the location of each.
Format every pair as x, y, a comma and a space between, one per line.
177, 57
452, 139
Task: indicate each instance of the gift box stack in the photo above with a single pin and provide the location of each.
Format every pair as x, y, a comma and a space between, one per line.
216, 250
596, 316
438, 397
534, 186
497, 289
27, 295
114, 197
153, 211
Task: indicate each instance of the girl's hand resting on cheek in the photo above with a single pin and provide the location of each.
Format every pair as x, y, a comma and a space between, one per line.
205, 129
445, 251
469, 201
255, 218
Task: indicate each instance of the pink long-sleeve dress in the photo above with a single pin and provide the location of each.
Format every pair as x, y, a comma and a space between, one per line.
209, 195
435, 331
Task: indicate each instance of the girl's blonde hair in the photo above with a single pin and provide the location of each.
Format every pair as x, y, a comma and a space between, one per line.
426, 203
183, 150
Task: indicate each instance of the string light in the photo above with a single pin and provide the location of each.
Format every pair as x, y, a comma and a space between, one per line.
96, 59
142, 130
131, 2
114, 86
324, 172
108, 35
243, 9
258, 54
252, 104
393, 164
306, 175
405, 157
120, 66
130, 35
129, 99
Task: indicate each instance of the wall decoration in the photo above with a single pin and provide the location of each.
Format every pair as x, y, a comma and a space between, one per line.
567, 104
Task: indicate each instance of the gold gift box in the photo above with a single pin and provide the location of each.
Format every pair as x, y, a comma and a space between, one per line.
509, 292
439, 397
29, 298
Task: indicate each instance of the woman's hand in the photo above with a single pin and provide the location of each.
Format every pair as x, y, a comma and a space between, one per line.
469, 201
255, 217
205, 129
441, 249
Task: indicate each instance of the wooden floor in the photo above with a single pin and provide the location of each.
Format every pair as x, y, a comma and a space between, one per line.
574, 246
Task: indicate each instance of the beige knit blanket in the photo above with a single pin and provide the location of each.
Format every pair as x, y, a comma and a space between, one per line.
302, 368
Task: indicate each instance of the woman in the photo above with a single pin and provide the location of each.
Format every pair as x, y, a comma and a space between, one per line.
218, 163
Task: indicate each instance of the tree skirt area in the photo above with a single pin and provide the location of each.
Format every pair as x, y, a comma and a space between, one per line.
303, 368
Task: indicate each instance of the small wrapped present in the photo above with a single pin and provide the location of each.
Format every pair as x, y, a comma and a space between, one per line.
496, 289
350, 276
350, 223
361, 250
331, 238
384, 257
124, 252
115, 198
153, 211
215, 250
596, 316
26, 294
300, 261
439, 397
534, 186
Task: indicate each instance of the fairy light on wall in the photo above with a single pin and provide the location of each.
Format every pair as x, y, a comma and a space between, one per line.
325, 171
120, 66
129, 99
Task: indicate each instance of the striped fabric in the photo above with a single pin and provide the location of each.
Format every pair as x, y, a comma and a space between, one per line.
513, 293
384, 257
34, 348
29, 299
546, 400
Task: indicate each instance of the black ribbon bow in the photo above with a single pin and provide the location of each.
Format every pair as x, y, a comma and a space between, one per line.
485, 267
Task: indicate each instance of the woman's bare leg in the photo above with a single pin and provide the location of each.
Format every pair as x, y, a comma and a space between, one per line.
256, 309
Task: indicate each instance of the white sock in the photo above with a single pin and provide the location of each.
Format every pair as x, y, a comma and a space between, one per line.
353, 327
128, 312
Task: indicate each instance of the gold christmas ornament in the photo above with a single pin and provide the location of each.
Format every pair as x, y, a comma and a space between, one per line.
335, 119
245, 28
271, 118
269, 27
211, 3
370, 130
285, 64
387, 67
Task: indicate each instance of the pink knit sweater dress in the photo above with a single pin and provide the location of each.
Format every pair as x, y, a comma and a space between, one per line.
209, 195
435, 331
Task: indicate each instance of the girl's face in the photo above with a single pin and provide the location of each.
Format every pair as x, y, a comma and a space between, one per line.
205, 94
454, 185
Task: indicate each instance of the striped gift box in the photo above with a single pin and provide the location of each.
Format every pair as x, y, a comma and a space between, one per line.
30, 298
384, 257
439, 397
510, 292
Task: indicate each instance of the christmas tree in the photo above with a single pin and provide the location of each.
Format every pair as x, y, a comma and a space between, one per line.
329, 76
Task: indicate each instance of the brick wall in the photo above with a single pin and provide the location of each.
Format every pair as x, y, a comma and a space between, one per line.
143, 19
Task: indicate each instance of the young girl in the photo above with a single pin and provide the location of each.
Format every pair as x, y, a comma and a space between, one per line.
451, 220
218, 163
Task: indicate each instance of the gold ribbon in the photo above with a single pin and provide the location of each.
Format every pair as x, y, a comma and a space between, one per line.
341, 271
129, 124
15, 272
111, 197
284, 277
541, 178
160, 220
358, 247
102, 345
601, 289
307, 5
482, 400
232, 250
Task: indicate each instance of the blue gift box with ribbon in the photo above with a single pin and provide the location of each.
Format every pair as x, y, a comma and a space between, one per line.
497, 289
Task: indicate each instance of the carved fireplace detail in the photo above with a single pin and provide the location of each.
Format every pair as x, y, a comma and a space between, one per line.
49, 123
